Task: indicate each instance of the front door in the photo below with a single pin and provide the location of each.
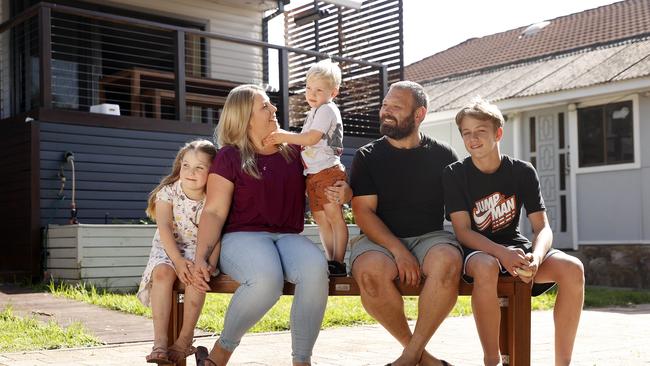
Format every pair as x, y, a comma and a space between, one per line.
546, 146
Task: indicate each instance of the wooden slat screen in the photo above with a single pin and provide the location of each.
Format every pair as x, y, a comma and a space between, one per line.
372, 33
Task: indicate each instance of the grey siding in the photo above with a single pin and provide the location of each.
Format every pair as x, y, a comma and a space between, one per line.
115, 171
610, 206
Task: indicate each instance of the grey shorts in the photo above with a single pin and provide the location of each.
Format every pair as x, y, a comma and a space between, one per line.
418, 245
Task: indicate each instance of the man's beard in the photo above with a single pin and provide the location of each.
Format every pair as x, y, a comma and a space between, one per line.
400, 129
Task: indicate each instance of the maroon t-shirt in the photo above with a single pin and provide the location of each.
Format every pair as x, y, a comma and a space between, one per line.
274, 203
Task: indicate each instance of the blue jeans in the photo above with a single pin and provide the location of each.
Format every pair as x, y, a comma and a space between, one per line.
260, 262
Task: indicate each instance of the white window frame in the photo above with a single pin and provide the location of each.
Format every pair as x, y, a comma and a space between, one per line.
573, 131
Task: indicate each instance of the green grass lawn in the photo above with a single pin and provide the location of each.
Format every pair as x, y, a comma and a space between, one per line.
26, 334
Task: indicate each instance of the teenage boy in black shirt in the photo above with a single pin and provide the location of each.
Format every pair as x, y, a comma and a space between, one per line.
483, 196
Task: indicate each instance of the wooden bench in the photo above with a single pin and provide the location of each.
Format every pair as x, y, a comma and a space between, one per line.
514, 297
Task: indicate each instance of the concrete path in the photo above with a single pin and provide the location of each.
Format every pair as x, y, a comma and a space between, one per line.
111, 327
612, 336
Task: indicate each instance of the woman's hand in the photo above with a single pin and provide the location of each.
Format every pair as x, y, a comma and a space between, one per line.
201, 275
339, 193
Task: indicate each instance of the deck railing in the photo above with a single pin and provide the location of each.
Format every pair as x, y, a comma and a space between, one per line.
62, 57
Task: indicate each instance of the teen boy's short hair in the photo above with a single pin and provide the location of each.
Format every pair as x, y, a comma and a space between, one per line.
326, 70
482, 110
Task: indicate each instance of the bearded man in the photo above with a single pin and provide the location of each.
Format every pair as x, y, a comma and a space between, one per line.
399, 206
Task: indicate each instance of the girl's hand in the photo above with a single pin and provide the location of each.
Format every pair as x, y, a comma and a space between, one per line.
201, 275
183, 269
213, 267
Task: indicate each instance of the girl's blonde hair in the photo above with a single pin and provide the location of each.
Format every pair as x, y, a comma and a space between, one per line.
203, 146
233, 127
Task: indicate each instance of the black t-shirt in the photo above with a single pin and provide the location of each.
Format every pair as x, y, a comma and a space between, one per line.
494, 201
407, 183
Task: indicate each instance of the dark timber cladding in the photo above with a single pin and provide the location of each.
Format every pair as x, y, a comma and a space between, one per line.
21, 244
372, 33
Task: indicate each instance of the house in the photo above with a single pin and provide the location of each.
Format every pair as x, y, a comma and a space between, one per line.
97, 96
576, 94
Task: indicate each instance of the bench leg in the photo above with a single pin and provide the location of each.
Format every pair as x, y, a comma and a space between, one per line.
505, 330
520, 354
175, 320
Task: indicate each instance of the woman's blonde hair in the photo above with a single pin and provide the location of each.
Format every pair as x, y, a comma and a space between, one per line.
233, 127
203, 146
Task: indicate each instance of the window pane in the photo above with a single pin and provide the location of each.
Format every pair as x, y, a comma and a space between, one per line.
591, 136
533, 139
560, 126
619, 133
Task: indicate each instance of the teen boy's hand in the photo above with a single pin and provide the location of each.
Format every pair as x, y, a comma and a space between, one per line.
513, 258
532, 267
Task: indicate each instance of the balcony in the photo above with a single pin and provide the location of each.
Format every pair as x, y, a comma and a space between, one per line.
62, 60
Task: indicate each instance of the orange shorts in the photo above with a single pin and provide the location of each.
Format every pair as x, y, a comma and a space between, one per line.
316, 184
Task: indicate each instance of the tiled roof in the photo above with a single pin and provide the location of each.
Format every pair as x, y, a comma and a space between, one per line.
608, 64
590, 28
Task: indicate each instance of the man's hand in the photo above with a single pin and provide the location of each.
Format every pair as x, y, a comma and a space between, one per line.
513, 258
201, 275
338, 193
408, 267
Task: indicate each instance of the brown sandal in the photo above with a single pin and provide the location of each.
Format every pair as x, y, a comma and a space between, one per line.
178, 353
203, 357
159, 355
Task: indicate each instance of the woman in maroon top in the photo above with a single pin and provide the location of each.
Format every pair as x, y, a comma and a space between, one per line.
253, 214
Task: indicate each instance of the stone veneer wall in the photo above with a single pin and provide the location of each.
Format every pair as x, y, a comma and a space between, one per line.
619, 265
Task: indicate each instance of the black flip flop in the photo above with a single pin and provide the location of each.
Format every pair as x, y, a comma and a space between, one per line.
202, 355
444, 363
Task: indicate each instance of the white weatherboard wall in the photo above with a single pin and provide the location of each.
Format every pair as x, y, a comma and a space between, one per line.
111, 256
228, 61
108, 256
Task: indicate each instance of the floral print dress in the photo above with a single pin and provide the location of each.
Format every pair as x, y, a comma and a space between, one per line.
186, 212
